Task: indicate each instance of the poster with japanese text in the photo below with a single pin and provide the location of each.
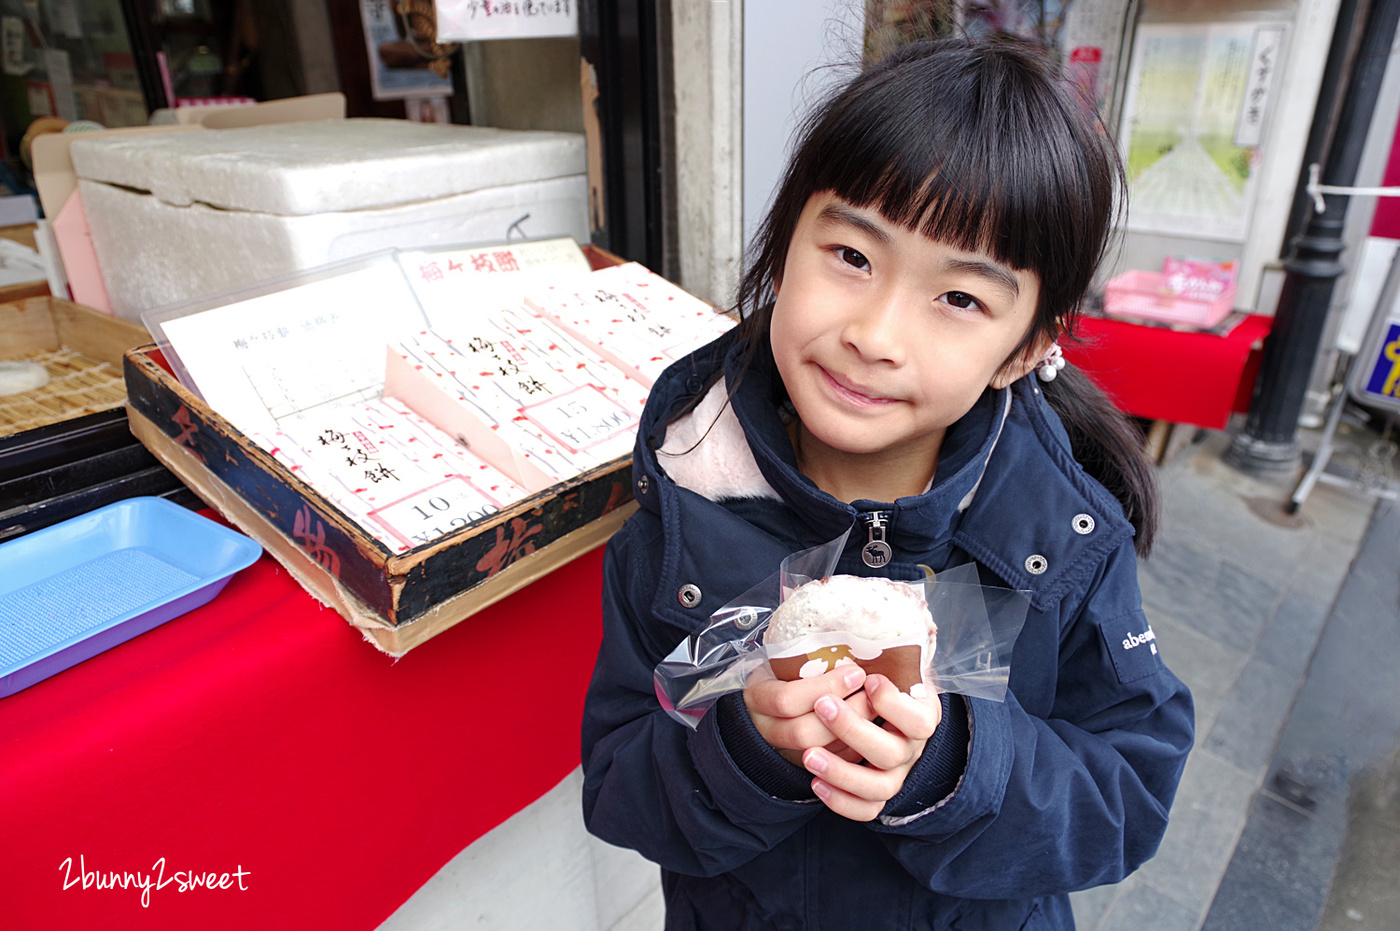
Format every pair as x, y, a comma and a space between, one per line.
1193, 120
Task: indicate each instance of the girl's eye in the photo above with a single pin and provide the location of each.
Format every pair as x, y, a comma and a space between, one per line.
853, 258
962, 300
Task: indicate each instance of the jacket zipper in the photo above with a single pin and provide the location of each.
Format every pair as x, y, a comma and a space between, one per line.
876, 553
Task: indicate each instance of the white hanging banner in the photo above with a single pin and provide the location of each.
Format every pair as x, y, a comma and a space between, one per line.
469, 20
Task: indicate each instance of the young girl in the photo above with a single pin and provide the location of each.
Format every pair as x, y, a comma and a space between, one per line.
936, 231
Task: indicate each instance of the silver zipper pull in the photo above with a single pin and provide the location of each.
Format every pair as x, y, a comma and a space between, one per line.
876, 553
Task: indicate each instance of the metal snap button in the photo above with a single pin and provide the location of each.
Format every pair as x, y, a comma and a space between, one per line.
746, 619
1036, 564
1083, 523
643, 484
688, 596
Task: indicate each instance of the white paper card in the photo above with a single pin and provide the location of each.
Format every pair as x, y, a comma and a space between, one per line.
452, 283
469, 20
313, 346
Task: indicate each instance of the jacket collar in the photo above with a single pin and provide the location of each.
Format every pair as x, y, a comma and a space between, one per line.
1008, 443
916, 522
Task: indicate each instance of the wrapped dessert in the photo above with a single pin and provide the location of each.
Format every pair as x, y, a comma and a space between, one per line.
878, 624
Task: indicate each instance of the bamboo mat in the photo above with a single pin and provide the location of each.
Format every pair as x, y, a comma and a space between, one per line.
77, 385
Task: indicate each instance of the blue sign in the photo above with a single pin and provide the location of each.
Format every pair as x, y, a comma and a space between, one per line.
1385, 376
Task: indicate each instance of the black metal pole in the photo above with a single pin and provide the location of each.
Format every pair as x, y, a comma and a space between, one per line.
1269, 440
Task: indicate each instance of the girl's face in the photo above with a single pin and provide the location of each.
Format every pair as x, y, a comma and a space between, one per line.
884, 338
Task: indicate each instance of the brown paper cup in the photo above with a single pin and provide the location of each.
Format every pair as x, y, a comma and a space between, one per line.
900, 660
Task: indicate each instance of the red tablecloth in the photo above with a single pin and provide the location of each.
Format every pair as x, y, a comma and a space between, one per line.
261, 733
1163, 374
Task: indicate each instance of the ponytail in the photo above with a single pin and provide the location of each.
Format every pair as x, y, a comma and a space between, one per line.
1109, 447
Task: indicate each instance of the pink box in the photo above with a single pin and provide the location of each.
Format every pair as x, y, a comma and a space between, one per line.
1145, 296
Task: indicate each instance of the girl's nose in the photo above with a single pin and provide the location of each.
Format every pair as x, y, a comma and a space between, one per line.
878, 330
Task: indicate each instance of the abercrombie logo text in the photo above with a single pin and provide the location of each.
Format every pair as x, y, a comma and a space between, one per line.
1136, 640
160, 877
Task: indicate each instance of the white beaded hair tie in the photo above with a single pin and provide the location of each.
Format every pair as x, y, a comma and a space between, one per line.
1050, 364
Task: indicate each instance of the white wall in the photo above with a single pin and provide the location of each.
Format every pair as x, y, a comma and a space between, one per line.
788, 48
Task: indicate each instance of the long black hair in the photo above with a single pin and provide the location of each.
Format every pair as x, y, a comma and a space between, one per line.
980, 144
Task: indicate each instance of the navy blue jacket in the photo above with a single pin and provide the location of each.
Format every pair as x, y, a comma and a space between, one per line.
1063, 786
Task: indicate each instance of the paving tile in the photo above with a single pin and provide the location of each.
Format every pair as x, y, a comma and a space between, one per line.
1252, 716
1206, 820
647, 915
1220, 522
621, 879
1175, 579
1365, 895
1143, 908
1091, 905
1341, 514
1287, 642
1207, 666
1280, 873
1323, 569
1236, 608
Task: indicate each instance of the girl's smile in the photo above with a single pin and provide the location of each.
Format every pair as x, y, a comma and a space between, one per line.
884, 338
854, 395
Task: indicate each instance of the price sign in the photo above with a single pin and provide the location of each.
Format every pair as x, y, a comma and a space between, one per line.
581, 418
428, 514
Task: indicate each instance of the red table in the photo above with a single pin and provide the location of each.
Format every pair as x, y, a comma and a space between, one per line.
261, 733
1162, 374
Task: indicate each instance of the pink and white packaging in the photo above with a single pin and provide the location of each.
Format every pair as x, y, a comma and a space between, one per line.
403, 480
520, 393
632, 317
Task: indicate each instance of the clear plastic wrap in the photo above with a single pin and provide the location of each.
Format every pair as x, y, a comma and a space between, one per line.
977, 627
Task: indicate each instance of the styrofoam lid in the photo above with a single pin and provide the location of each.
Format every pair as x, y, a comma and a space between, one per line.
296, 169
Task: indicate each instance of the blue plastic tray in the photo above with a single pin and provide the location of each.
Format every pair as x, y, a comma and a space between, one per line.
73, 590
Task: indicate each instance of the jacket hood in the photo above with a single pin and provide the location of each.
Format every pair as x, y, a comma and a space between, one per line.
1007, 490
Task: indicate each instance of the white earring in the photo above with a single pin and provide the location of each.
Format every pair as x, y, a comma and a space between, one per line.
1050, 364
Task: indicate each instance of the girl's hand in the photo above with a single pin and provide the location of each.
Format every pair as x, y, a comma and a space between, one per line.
784, 712
858, 790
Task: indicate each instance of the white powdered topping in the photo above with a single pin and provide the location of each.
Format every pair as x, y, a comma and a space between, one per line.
868, 608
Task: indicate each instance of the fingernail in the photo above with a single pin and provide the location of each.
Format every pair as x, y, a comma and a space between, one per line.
814, 762
826, 708
918, 690
854, 676
871, 685
822, 789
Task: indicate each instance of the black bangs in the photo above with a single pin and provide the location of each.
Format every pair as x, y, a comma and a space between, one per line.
977, 144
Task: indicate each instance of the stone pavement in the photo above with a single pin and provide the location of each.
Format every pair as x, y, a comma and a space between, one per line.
1244, 600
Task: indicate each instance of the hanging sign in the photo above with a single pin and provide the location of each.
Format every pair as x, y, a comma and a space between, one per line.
1381, 367
469, 20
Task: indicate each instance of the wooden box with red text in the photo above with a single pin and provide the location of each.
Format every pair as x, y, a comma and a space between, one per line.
399, 599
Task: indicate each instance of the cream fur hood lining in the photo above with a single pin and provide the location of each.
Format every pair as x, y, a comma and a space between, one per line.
706, 451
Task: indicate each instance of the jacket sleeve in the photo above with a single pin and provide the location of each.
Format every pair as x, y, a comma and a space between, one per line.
650, 783
1074, 799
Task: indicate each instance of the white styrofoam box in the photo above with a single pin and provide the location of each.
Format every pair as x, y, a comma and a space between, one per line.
185, 215
296, 169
